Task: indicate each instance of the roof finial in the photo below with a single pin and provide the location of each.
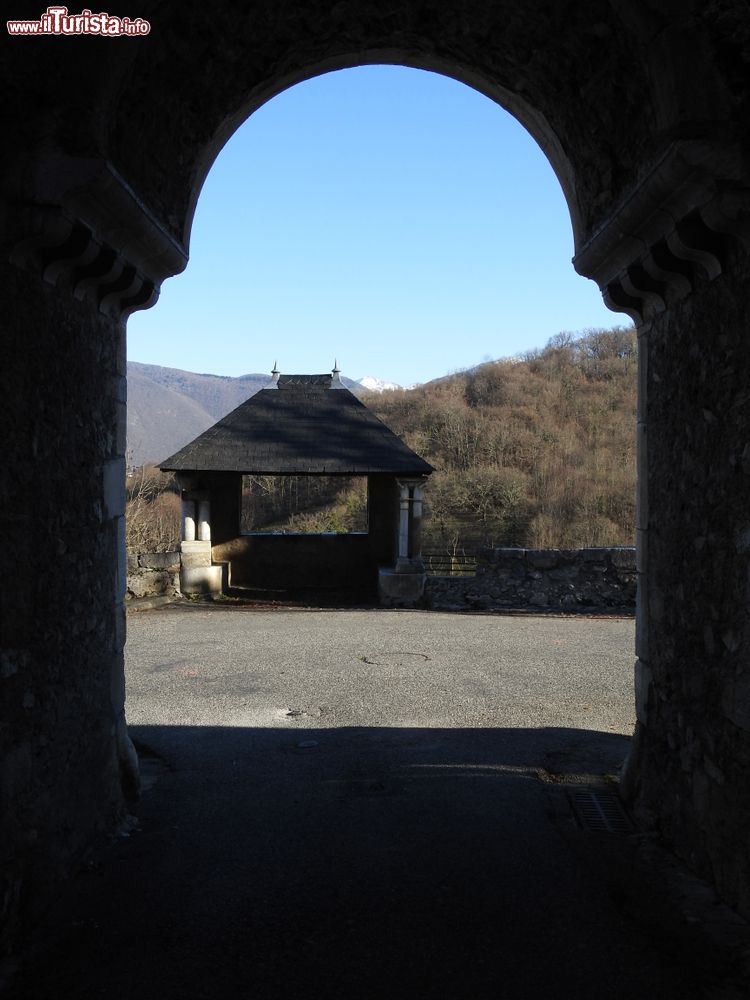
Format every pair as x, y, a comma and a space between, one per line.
336, 382
274, 376
336, 369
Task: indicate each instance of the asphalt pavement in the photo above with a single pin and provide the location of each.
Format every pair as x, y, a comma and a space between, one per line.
370, 804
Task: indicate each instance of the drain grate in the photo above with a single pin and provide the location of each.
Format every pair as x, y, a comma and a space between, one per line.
599, 810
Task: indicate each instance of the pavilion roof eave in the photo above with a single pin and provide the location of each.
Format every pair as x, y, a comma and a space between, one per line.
425, 470
304, 429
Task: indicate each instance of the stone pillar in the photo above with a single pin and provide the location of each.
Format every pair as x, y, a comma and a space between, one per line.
676, 258
204, 520
68, 765
687, 772
403, 521
198, 574
410, 526
642, 675
80, 252
415, 548
642, 670
188, 520
403, 585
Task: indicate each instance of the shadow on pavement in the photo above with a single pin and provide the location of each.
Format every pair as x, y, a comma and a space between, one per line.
326, 863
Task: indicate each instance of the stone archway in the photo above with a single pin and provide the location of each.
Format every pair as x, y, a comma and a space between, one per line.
643, 116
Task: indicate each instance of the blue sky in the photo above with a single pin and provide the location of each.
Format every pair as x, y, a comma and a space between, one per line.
391, 218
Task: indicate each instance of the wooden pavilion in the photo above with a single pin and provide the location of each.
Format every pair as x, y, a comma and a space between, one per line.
301, 425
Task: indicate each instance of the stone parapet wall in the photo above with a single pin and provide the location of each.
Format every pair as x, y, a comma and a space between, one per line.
153, 574
553, 579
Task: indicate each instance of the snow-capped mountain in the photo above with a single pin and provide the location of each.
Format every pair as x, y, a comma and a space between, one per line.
373, 384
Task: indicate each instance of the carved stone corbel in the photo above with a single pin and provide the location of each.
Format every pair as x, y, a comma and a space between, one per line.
83, 225
676, 225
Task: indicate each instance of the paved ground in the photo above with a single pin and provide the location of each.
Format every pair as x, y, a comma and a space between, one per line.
369, 804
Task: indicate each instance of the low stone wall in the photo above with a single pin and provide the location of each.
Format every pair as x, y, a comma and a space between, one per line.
153, 574
554, 579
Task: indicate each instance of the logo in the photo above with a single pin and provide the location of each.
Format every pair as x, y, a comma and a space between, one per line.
57, 21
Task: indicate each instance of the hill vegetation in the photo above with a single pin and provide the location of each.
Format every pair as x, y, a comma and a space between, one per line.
536, 451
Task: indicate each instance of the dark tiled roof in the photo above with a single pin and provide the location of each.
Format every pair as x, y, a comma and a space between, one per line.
289, 380
302, 425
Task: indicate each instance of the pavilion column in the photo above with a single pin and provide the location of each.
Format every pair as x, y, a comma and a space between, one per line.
403, 585
410, 526
204, 520
198, 574
416, 522
196, 517
188, 520
403, 522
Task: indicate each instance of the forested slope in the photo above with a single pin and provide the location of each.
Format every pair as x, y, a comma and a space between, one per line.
537, 451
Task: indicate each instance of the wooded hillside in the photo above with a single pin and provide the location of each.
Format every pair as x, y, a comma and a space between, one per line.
535, 452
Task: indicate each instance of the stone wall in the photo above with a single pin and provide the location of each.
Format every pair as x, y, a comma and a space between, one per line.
153, 574
547, 579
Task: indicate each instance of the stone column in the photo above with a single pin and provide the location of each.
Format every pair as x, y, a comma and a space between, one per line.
188, 520
676, 258
198, 574
416, 522
80, 252
403, 585
642, 674
642, 670
204, 520
68, 764
403, 521
410, 526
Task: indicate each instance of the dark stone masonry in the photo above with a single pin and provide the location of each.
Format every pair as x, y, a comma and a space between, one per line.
155, 574
542, 579
689, 770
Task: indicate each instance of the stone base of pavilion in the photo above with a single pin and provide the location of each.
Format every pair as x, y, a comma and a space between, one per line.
401, 586
197, 573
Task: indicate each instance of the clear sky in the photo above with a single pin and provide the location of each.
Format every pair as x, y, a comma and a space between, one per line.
391, 218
